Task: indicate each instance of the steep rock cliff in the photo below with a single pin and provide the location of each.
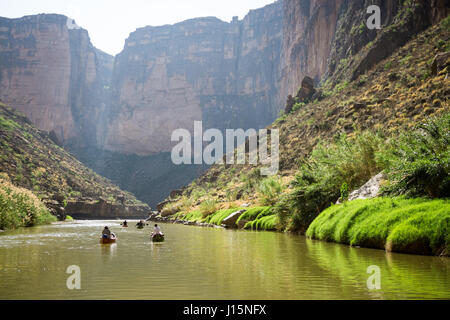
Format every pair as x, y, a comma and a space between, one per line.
225, 74
50, 71
329, 40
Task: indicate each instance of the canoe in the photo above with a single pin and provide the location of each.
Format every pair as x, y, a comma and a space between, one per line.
158, 238
107, 241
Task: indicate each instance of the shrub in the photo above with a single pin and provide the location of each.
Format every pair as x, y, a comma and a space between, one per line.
208, 207
419, 162
19, 207
269, 190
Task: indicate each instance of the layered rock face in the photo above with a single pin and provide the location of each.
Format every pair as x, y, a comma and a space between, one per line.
50, 71
225, 74
320, 35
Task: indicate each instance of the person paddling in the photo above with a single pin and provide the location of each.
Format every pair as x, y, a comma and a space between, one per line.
157, 231
125, 224
140, 224
107, 234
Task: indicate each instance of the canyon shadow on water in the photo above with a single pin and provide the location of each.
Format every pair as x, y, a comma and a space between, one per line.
204, 263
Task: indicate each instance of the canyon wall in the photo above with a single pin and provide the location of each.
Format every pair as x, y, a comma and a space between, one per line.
226, 74
320, 37
50, 71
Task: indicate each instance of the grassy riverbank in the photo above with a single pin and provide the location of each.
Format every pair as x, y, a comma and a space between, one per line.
257, 218
19, 207
417, 226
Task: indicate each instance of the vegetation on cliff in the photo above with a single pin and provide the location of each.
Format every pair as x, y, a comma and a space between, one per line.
33, 161
19, 207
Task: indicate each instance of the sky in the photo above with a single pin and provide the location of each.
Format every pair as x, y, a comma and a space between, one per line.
109, 22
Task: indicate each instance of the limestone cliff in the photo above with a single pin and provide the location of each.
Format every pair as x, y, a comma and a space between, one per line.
225, 74
50, 71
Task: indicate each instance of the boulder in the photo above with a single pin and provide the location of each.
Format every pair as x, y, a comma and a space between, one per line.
440, 62
176, 193
160, 206
307, 90
370, 189
230, 221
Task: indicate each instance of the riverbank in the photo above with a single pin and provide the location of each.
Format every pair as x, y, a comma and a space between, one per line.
417, 226
256, 218
414, 226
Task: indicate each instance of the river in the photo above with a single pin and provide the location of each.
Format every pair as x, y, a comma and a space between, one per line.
205, 263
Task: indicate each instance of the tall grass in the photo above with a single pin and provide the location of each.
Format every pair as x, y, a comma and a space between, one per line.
349, 160
269, 191
418, 163
19, 207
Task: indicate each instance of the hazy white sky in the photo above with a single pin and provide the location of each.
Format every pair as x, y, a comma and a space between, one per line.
109, 22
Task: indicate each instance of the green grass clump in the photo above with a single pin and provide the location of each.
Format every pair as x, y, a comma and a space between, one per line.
208, 207
190, 216
19, 207
252, 213
266, 223
419, 226
219, 216
8, 124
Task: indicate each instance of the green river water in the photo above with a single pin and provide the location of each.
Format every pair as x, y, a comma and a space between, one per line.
205, 263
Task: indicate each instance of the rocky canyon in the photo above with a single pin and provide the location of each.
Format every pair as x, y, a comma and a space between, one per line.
117, 113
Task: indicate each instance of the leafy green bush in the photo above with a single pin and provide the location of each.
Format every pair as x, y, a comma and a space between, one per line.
418, 226
419, 162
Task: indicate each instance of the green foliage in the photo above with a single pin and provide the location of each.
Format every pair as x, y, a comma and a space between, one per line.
21, 208
445, 23
344, 192
8, 124
318, 184
297, 106
208, 207
270, 190
219, 216
419, 162
267, 223
254, 213
403, 225
69, 218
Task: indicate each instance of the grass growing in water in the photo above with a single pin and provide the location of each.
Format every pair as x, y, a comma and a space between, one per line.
19, 207
418, 226
267, 223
